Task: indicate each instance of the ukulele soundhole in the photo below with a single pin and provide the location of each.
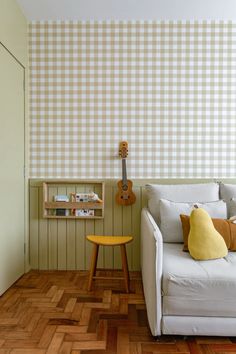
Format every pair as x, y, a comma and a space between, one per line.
125, 197
125, 187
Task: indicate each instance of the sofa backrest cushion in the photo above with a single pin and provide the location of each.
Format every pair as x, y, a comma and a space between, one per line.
170, 223
207, 192
231, 205
227, 192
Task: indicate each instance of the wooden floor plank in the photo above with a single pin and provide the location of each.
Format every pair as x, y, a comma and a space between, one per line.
56, 343
49, 312
66, 348
47, 336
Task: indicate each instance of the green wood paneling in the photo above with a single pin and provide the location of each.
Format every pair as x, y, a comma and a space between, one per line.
34, 227
62, 238
127, 230
61, 244
43, 235
52, 236
117, 227
99, 230
108, 227
135, 249
71, 238
89, 230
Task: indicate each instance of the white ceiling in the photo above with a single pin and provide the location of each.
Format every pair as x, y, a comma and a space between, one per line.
128, 9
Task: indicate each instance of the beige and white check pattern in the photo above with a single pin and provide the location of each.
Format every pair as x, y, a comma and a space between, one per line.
169, 88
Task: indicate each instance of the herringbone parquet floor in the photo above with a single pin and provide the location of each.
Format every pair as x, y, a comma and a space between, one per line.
52, 312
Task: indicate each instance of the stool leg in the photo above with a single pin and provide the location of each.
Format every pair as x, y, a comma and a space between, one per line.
93, 265
125, 266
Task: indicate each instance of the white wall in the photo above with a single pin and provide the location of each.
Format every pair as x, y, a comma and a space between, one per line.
129, 9
13, 30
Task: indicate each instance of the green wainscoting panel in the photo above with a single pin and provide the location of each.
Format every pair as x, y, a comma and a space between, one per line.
34, 216
61, 244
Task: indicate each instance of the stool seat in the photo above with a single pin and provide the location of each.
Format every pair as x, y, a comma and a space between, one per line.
109, 240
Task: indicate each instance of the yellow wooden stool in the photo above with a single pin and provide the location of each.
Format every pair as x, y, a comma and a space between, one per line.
109, 241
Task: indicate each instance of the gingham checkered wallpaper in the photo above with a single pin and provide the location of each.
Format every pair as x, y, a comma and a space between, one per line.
169, 88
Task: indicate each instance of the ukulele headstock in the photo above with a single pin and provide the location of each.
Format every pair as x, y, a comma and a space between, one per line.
123, 149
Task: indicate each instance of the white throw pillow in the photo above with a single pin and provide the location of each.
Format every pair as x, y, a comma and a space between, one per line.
170, 225
207, 192
227, 192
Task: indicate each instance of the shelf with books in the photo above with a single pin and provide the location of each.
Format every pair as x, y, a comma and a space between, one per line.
73, 199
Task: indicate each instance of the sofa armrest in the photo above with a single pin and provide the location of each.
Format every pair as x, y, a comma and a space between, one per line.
151, 265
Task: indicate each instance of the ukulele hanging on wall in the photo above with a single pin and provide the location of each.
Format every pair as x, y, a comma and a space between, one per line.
125, 195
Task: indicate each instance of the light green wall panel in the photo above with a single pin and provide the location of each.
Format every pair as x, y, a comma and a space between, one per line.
13, 30
61, 244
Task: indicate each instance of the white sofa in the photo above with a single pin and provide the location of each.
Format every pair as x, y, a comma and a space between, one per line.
184, 296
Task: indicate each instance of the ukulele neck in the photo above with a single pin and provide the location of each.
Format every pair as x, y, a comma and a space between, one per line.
124, 173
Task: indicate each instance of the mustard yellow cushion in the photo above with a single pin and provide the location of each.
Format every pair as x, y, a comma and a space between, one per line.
204, 242
226, 228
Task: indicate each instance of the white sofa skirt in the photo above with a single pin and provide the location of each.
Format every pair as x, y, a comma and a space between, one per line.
203, 326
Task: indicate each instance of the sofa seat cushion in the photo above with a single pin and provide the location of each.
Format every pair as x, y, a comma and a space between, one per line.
198, 288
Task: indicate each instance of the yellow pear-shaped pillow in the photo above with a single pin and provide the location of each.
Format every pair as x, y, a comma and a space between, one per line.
204, 241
